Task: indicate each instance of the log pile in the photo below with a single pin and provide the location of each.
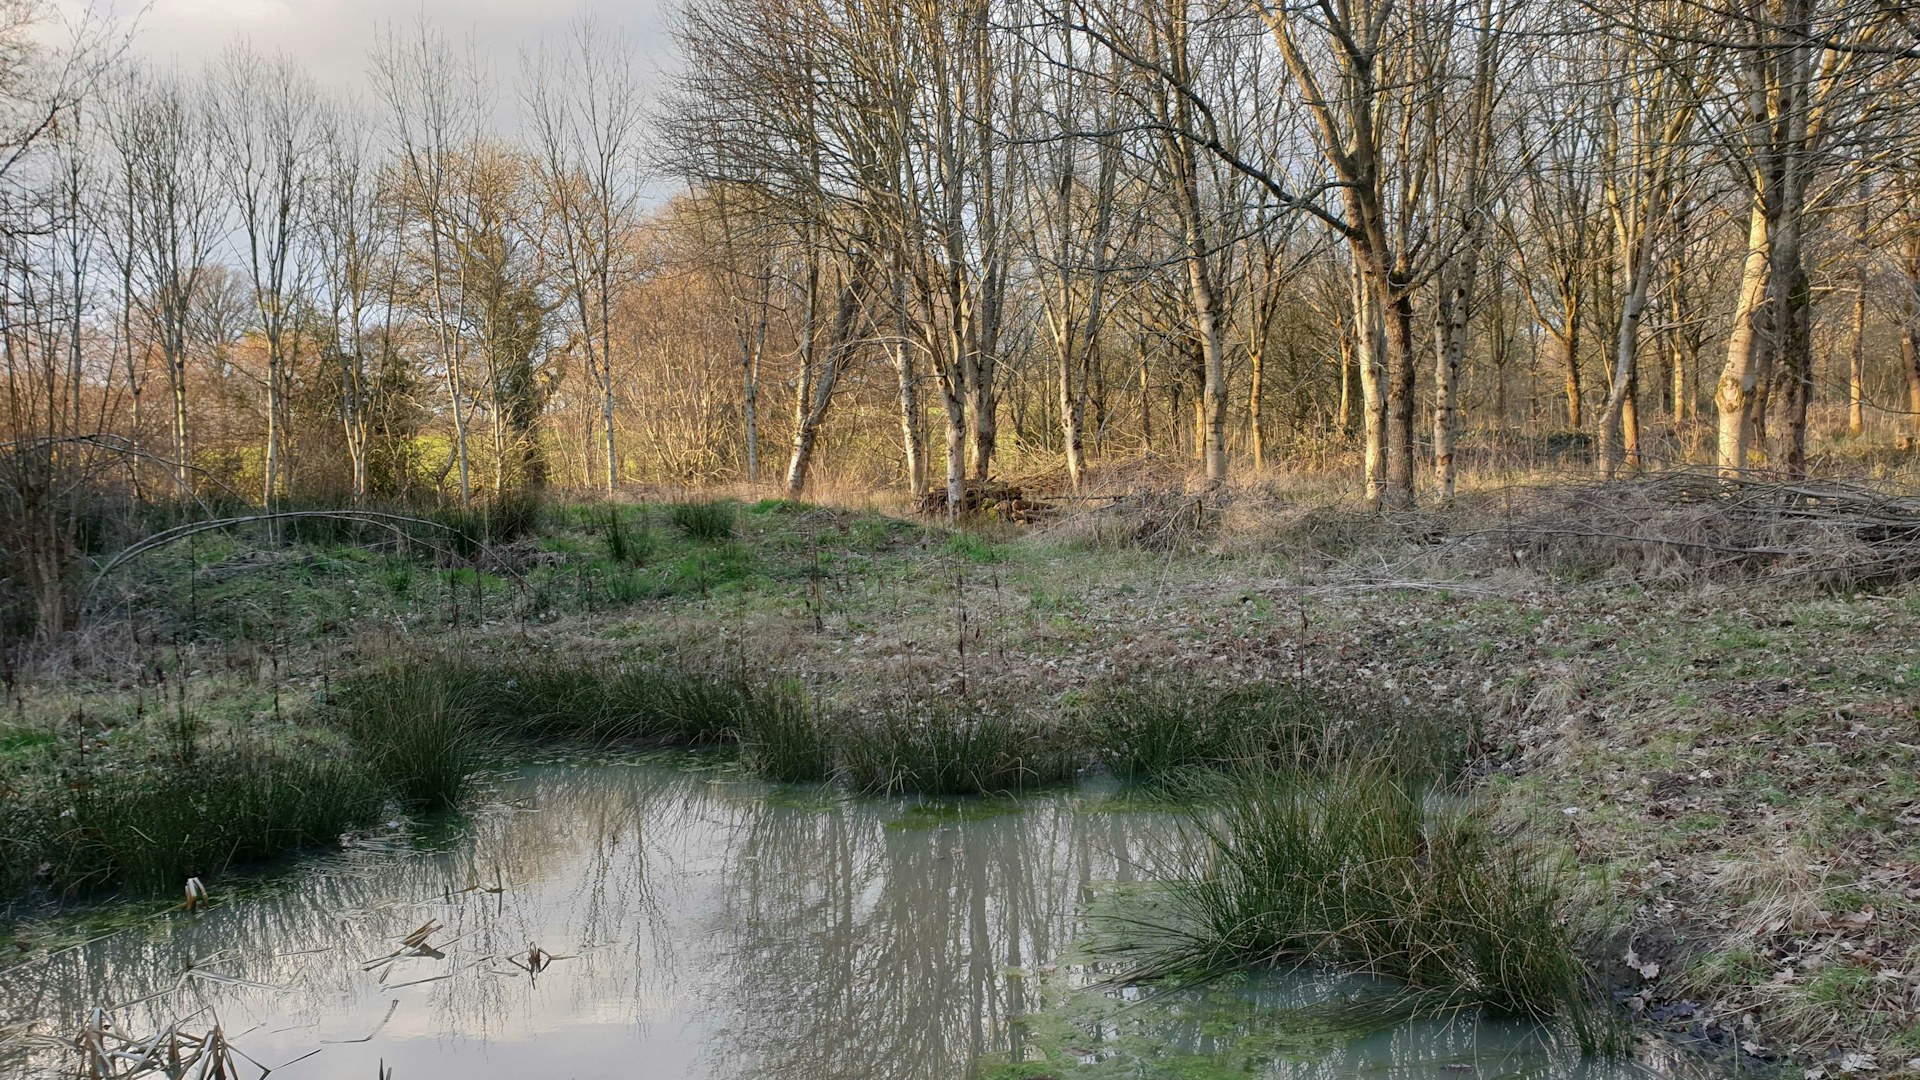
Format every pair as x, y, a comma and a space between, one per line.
993, 500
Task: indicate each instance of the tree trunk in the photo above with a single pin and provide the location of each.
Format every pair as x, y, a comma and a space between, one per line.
1570, 359
1625, 360
1255, 358
912, 440
956, 450
1370, 321
1400, 401
820, 372
1450, 350
1910, 357
1741, 372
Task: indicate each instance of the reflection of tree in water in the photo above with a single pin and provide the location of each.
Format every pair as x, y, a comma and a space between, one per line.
855, 950
576, 851
780, 941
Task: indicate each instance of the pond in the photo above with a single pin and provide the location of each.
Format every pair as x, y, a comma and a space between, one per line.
642, 919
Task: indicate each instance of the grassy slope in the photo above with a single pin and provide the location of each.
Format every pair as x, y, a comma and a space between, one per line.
1733, 769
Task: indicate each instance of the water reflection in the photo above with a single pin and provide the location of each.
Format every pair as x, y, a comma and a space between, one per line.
708, 928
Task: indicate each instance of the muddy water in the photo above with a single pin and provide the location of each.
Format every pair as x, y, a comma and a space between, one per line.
705, 926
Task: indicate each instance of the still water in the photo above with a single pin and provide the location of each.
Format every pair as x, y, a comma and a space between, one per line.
704, 926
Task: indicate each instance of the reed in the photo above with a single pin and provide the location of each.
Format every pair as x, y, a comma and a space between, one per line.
151, 827
950, 747
1356, 868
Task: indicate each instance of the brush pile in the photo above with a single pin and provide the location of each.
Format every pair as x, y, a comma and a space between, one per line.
1686, 525
989, 499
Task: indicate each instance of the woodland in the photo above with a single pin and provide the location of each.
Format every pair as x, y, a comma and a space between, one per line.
1544, 375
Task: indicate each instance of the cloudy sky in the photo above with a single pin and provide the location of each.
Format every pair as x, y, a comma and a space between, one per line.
331, 38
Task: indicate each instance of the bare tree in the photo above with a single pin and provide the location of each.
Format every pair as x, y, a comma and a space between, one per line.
434, 104
584, 105
174, 218
263, 119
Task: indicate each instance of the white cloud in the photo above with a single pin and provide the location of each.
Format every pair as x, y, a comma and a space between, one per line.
332, 38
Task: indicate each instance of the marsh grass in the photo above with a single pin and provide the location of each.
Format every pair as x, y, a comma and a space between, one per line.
415, 731
149, 827
705, 522
950, 746
1356, 868
427, 718
628, 546
784, 737
1169, 730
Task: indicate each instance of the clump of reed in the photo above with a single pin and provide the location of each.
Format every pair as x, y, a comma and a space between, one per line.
1359, 865
951, 746
1172, 729
465, 707
427, 719
148, 826
627, 546
414, 727
784, 737
706, 522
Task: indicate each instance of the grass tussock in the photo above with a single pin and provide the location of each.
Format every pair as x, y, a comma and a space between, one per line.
628, 545
1169, 729
943, 746
1354, 867
414, 730
426, 719
784, 737
705, 522
148, 829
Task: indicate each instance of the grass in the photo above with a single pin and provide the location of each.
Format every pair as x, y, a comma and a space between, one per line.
784, 738
147, 829
951, 746
705, 522
1166, 729
912, 744
1356, 868
625, 546
1610, 722
412, 726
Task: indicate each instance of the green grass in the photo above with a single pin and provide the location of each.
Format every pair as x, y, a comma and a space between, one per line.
784, 737
148, 827
974, 548
413, 728
943, 746
424, 719
1356, 868
1167, 729
628, 545
704, 522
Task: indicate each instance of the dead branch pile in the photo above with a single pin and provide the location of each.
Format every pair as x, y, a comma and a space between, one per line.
1154, 520
1689, 525
989, 499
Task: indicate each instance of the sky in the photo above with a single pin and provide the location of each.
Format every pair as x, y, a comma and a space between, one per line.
332, 38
